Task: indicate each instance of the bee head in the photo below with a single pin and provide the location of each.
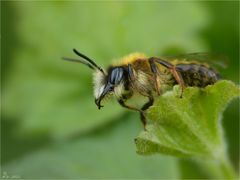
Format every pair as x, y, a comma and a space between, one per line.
100, 90
105, 84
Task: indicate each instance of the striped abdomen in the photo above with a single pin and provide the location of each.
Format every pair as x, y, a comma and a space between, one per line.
197, 74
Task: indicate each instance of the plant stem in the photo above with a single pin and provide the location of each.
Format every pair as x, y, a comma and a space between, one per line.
227, 169
219, 168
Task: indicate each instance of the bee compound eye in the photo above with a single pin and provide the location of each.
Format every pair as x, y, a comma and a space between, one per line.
116, 76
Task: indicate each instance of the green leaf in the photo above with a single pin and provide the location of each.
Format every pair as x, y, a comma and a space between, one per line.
107, 153
190, 125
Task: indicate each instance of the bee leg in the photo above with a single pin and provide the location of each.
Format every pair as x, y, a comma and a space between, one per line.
179, 79
175, 73
123, 104
143, 120
145, 107
154, 69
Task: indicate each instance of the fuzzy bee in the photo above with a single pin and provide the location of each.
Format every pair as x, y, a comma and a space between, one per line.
149, 77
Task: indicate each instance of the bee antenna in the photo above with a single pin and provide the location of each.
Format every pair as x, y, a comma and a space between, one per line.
78, 61
88, 59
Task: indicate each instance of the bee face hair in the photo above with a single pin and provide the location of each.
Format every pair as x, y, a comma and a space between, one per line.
107, 84
99, 81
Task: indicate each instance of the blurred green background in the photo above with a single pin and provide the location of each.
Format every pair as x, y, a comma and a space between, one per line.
50, 126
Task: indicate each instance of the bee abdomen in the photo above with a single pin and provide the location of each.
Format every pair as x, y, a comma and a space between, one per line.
197, 74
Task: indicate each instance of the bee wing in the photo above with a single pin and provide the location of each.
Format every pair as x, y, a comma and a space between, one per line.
216, 61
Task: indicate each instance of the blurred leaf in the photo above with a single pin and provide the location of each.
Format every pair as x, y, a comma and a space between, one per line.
188, 126
221, 35
191, 170
108, 153
222, 31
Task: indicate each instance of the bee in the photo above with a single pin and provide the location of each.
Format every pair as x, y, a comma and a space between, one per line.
148, 76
